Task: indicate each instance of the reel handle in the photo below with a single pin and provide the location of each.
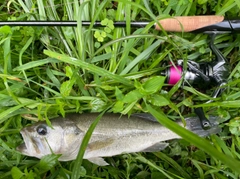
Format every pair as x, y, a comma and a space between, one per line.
204, 121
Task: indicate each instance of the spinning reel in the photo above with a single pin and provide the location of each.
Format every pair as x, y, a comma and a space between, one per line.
202, 75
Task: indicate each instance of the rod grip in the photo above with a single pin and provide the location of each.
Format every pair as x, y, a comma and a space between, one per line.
187, 23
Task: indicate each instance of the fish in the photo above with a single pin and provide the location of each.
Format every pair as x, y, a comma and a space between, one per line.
114, 134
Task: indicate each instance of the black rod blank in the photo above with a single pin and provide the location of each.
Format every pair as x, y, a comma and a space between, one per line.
70, 23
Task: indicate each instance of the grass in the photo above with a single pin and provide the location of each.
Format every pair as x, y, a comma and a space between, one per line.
49, 71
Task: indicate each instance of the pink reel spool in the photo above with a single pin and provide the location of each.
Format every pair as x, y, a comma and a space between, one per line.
175, 73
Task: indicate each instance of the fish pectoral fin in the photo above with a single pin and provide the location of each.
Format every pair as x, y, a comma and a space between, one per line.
156, 147
98, 161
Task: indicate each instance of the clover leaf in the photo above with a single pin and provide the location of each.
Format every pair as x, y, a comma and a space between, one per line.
104, 22
100, 35
109, 25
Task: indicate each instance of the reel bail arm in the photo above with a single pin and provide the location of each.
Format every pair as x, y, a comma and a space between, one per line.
221, 72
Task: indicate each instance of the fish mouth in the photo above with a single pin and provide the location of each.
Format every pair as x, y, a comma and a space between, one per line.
22, 148
32, 146
28, 147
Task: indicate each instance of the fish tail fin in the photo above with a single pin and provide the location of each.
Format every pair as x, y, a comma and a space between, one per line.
192, 123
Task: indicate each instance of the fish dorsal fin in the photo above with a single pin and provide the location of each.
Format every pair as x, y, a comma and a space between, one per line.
145, 116
156, 147
98, 161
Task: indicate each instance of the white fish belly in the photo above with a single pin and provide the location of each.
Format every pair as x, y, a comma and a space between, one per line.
130, 143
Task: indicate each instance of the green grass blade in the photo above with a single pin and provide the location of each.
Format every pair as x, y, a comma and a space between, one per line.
88, 66
226, 104
144, 160
238, 3
36, 63
128, 37
219, 142
7, 55
128, 18
200, 170
141, 57
29, 41
116, 34
11, 112
174, 164
78, 161
226, 7
41, 8
80, 14
25, 8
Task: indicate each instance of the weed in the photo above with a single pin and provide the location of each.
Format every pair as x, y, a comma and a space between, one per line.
50, 71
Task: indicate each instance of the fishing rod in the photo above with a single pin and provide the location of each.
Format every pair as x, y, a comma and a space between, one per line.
195, 24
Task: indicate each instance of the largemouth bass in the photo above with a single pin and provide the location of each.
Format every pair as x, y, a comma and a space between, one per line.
113, 135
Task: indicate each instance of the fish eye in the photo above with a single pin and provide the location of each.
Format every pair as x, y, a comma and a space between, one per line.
42, 130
